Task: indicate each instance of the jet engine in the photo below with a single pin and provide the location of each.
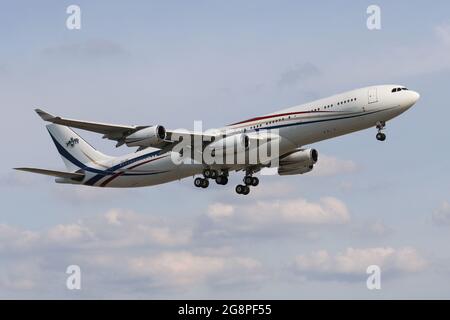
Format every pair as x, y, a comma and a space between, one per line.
298, 162
146, 137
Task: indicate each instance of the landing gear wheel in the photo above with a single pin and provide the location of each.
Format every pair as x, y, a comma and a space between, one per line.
380, 125
248, 180
240, 189
198, 182
207, 173
246, 190
205, 183
255, 181
223, 180
214, 174
381, 136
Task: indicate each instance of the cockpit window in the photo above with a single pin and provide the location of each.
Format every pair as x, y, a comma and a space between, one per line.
398, 89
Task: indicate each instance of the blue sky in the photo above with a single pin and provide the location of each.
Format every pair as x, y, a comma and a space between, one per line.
174, 62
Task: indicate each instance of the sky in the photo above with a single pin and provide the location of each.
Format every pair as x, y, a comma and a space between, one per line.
175, 62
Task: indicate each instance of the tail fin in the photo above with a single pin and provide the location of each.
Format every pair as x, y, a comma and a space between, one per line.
74, 150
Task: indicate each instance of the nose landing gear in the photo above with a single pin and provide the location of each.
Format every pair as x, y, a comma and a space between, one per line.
380, 126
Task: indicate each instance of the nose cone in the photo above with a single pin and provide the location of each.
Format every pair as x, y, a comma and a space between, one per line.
409, 98
414, 96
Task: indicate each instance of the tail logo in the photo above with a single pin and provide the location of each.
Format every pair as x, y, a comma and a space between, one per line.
72, 142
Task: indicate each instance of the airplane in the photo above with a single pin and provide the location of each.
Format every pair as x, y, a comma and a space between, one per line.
153, 162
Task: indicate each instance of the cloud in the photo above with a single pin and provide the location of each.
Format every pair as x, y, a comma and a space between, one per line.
352, 263
442, 32
330, 166
14, 178
19, 275
327, 210
184, 269
69, 233
113, 229
220, 210
78, 195
326, 166
15, 238
90, 49
297, 74
271, 218
372, 229
441, 216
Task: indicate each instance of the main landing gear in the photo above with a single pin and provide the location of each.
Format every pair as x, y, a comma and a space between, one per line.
201, 183
220, 177
248, 181
380, 135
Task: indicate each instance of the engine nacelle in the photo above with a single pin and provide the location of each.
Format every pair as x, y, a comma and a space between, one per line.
230, 145
146, 137
287, 171
298, 162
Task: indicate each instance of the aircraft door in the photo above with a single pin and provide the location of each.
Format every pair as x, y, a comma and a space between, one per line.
372, 95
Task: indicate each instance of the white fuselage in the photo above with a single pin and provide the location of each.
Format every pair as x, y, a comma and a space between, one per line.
297, 126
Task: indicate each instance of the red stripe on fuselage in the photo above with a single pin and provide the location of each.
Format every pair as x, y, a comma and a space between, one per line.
276, 115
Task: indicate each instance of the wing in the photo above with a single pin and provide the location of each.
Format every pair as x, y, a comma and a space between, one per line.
109, 131
120, 132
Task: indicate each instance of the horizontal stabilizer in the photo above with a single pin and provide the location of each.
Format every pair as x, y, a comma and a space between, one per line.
59, 174
44, 115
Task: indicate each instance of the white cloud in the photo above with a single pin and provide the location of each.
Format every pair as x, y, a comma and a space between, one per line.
114, 229
327, 210
69, 233
326, 166
441, 216
272, 218
354, 262
11, 237
220, 210
331, 166
127, 228
443, 33
184, 269
372, 228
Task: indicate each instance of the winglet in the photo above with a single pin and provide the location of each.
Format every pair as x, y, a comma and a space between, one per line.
44, 115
